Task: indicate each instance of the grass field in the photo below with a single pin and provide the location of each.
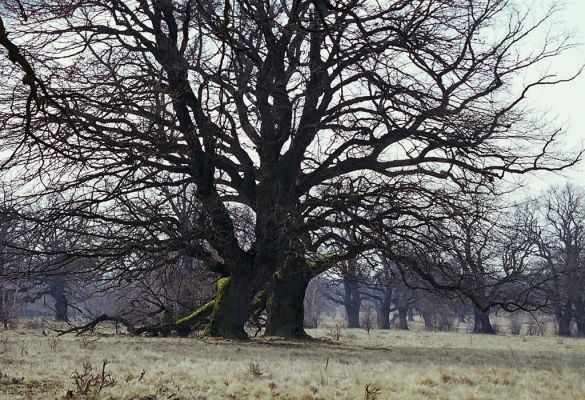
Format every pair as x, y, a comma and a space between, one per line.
379, 365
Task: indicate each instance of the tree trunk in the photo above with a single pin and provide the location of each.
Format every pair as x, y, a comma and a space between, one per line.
411, 314
402, 318
428, 319
285, 308
383, 314
580, 326
482, 322
564, 316
461, 316
61, 308
352, 303
579, 315
3, 313
231, 305
352, 310
57, 292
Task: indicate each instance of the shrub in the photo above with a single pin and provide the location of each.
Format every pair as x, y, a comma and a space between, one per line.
90, 385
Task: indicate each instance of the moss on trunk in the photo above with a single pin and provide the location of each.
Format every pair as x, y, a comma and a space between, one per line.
230, 308
184, 326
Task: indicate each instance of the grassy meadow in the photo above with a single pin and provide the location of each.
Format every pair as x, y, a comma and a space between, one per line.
380, 365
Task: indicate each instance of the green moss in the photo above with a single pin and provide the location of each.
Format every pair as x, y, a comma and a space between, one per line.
195, 314
222, 288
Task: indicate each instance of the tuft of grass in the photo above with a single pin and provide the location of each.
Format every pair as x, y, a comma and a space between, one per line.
463, 380
502, 381
428, 382
255, 371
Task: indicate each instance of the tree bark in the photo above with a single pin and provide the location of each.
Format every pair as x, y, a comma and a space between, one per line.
383, 313
402, 318
411, 314
285, 307
61, 308
353, 315
564, 316
579, 316
482, 322
428, 319
57, 292
461, 317
3, 313
352, 303
231, 306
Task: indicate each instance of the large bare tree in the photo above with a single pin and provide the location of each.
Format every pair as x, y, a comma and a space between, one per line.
317, 117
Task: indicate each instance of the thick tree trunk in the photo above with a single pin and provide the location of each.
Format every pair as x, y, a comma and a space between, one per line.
402, 318
352, 303
411, 314
428, 319
57, 292
579, 315
61, 308
383, 314
482, 322
352, 310
580, 326
285, 307
461, 317
564, 316
231, 306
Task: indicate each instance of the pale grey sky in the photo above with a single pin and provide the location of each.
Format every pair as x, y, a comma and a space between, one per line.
567, 101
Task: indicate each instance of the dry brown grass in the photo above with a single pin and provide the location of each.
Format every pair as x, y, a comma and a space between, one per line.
381, 365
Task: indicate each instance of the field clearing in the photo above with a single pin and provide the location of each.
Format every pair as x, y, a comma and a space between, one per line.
391, 364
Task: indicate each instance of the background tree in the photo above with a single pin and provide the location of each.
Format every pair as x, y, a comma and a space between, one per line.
482, 252
315, 303
7, 290
11, 234
561, 242
389, 294
349, 294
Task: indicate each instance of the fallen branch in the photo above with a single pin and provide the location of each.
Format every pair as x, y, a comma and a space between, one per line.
183, 326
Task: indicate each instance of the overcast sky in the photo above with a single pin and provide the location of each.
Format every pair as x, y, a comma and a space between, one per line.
567, 101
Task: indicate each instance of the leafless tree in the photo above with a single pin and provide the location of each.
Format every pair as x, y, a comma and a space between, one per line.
46, 271
8, 261
311, 115
484, 252
347, 282
384, 282
315, 302
385, 287
562, 244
